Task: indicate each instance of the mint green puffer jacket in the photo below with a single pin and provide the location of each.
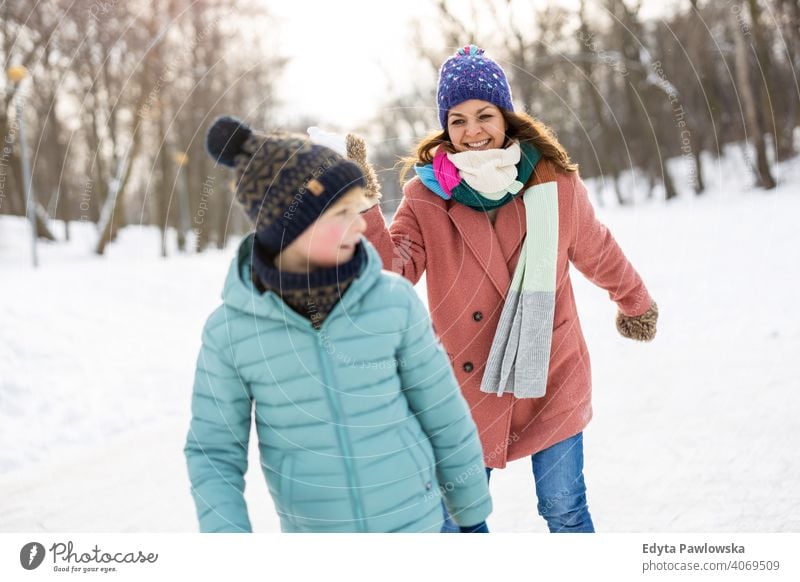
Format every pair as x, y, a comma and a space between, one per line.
361, 425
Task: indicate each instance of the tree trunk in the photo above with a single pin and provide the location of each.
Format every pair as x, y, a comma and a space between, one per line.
608, 152
182, 206
222, 214
699, 184
113, 203
644, 102
669, 184
775, 111
14, 196
618, 190
106, 222
163, 193
790, 30
42, 228
100, 182
764, 177
15, 187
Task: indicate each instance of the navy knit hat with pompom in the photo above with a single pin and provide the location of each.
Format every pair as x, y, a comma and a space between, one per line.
469, 74
284, 180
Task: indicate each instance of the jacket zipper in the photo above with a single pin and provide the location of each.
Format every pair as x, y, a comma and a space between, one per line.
341, 436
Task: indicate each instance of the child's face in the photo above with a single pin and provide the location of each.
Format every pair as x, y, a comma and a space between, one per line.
331, 240
476, 125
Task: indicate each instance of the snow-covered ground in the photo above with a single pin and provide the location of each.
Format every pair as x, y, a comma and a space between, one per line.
695, 432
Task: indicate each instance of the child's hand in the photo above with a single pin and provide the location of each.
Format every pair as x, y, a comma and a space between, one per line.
640, 327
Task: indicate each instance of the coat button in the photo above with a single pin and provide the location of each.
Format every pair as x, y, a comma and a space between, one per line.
477, 316
428, 485
468, 367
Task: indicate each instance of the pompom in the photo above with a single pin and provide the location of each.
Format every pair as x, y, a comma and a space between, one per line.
470, 50
225, 138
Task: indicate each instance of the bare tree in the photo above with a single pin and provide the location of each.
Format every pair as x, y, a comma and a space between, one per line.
750, 101
26, 32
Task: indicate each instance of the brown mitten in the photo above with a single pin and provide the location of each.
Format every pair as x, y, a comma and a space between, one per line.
640, 327
357, 151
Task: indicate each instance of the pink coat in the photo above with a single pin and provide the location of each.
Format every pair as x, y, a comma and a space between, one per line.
469, 265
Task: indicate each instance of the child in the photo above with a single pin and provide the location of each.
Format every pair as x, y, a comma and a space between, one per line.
358, 414
495, 216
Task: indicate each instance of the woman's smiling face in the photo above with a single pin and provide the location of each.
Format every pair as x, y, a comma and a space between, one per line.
476, 125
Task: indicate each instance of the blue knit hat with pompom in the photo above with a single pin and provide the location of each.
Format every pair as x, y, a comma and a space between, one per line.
469, 74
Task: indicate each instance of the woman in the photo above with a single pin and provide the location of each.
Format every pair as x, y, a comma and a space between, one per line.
494, 217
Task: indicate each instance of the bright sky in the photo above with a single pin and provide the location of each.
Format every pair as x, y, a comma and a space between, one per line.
344, 53
340, 62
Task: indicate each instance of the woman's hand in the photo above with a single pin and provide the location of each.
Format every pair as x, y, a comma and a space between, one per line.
354, 148
640, 327
357, 151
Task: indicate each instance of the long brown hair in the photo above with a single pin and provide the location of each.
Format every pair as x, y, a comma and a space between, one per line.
519, 126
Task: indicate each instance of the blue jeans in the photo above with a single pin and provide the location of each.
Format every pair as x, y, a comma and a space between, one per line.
560, 488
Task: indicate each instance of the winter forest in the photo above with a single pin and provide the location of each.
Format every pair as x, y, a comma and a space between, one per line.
682, 116
120, 92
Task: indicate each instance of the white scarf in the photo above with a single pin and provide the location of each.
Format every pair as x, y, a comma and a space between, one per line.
492, 172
